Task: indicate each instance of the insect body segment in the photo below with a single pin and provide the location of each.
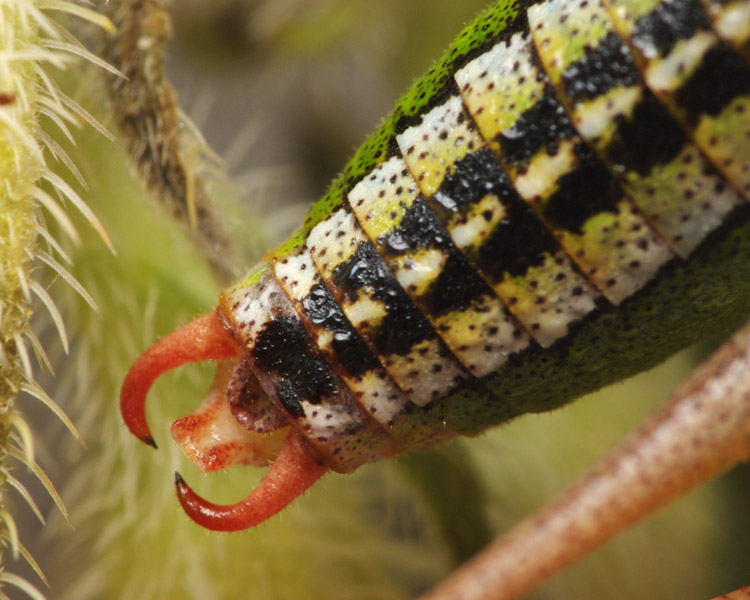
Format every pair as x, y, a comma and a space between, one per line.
380, 310
698, 77
336, 337
350, 357
667, 176
558, 175
487, 220
295, 374
460, 306
558, 171
731, 21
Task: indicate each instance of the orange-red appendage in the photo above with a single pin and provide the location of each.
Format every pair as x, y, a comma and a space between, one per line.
291, 474
206, 338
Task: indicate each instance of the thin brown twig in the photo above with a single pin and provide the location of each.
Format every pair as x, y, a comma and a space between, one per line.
703, 431
741, 594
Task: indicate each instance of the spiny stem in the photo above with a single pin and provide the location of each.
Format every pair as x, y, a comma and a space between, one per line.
25, 93
21, 166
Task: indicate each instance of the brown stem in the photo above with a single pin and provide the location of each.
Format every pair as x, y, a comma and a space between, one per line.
701, 432
145, 105
741, 594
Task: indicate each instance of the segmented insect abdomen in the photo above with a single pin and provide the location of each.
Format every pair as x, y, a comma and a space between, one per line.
506, 240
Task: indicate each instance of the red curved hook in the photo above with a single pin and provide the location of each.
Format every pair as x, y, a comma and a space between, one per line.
206, 338
291, 474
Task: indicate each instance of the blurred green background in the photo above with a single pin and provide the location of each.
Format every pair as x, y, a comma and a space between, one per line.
284, 91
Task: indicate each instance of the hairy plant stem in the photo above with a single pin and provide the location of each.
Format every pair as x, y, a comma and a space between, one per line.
152, 126
29, 42
21, 165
